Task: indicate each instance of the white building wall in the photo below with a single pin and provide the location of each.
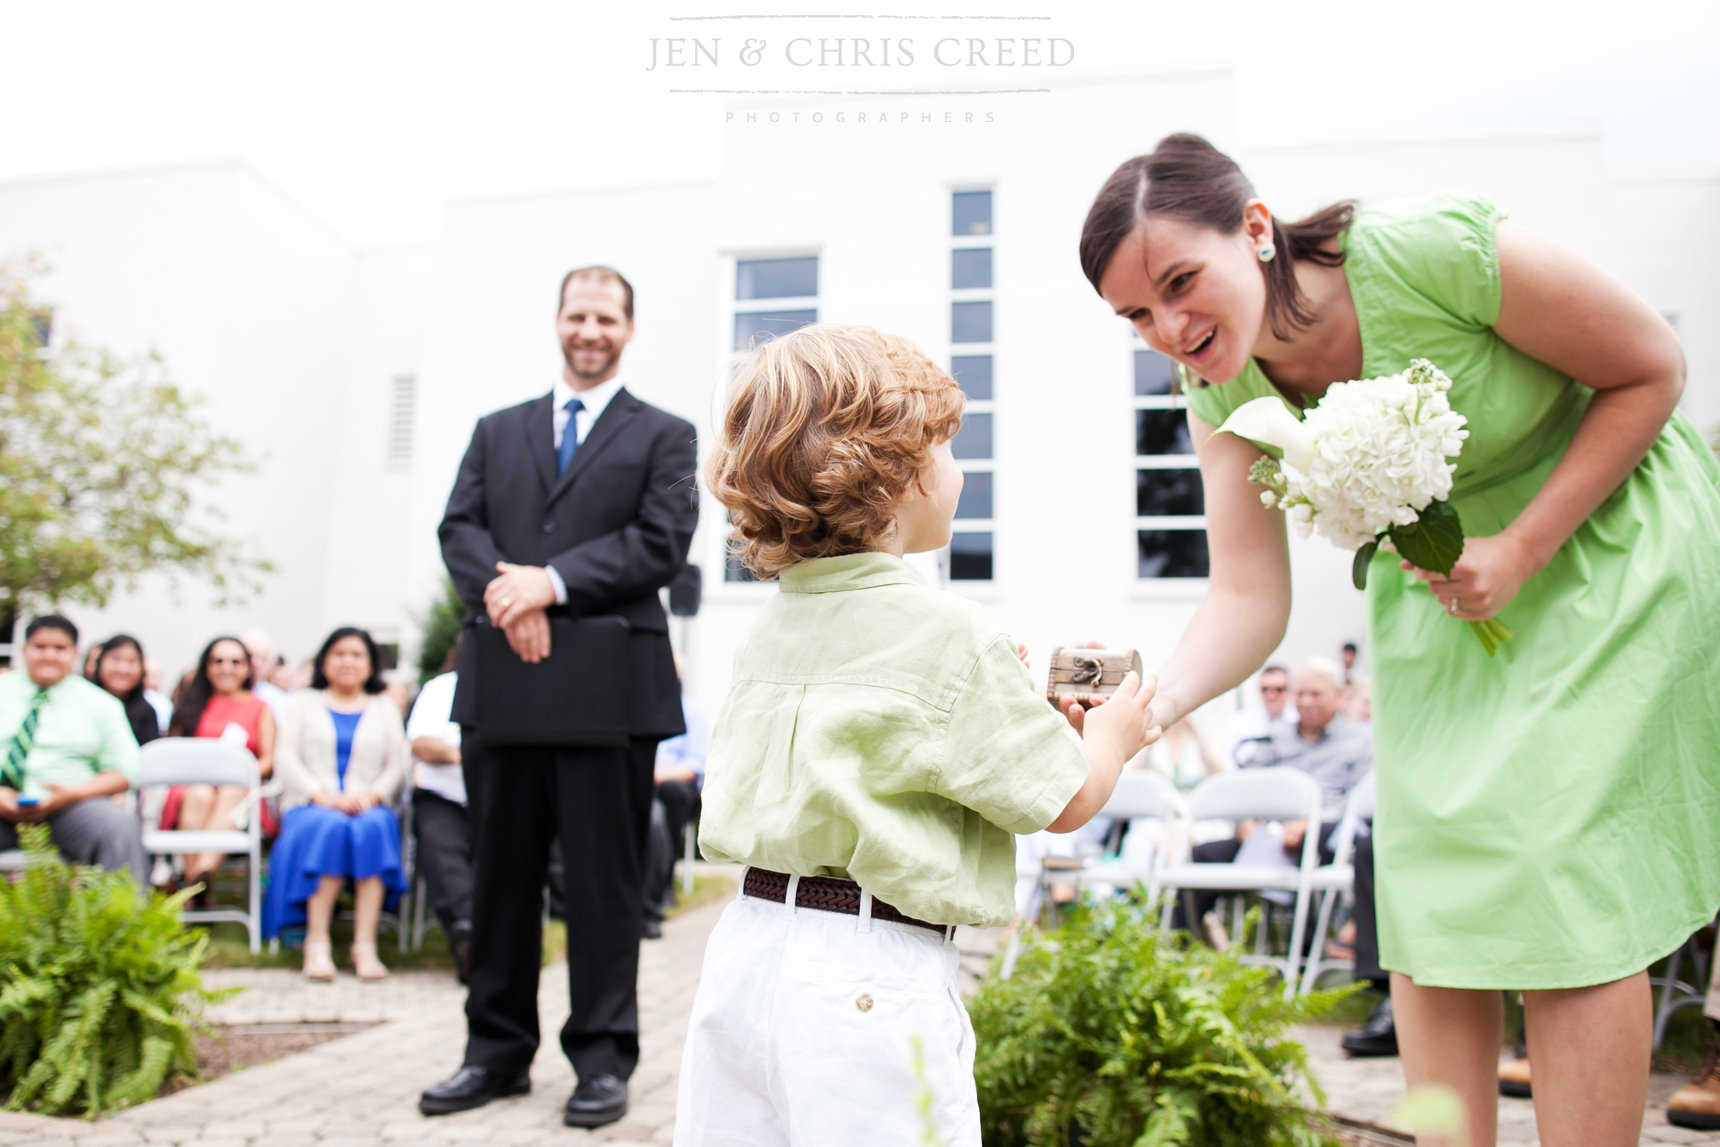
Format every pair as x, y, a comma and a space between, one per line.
1668, 250
367, 570
296, 339
245, 297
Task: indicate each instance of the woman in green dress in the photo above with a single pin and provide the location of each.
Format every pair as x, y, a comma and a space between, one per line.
1549, 818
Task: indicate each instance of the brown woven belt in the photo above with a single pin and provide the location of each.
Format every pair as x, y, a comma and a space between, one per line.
824, 894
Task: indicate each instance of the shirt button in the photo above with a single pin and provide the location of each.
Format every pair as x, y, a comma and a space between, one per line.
549, 527
864, 1003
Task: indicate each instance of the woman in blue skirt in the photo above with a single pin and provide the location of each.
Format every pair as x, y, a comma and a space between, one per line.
341, 758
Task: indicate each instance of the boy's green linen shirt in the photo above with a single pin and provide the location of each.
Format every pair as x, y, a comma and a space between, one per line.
82, 731
883, 731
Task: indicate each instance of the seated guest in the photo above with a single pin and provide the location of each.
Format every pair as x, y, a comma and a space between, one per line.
1259, 723
65, 749
261, 649
1379, 1035
153, 677
119, 670
342, 758
680, 772
439, 811
1359, 701
217, 702
1332, 750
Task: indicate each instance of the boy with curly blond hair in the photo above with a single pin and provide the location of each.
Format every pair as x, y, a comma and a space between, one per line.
879, 745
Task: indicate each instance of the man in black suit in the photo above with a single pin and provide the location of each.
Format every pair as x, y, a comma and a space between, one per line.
582, 503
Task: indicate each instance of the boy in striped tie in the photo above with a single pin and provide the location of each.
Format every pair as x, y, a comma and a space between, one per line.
65, 748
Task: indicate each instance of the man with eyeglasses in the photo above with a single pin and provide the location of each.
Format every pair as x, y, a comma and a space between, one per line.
1264, 722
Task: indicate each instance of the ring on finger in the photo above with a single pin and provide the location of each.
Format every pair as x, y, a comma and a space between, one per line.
1452, 606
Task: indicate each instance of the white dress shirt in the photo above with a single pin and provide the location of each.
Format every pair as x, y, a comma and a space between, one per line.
430, 718
596, 401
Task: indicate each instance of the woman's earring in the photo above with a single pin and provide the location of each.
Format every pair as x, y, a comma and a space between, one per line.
1266, 252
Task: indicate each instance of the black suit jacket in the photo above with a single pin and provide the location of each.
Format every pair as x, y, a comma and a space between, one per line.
615, 526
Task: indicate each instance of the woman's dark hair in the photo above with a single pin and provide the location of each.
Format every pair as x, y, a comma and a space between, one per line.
1185, 177
376, 684
117, 642
194, 697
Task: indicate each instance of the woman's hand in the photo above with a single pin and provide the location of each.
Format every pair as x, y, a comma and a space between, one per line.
350, 803
1485, 580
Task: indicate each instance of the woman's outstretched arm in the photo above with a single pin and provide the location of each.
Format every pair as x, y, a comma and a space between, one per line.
1560, 308
1248, 600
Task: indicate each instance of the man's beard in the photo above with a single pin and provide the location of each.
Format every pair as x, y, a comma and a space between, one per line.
609, 362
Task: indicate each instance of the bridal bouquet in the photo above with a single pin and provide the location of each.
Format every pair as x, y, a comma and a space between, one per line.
1367, 468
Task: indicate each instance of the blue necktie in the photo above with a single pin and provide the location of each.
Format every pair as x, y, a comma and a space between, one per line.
569, 436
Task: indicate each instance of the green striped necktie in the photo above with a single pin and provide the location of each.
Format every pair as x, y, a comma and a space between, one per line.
12, 773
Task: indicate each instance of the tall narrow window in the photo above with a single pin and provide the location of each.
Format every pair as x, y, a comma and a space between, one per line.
972, 330
772, 298
1170, 503
402, 410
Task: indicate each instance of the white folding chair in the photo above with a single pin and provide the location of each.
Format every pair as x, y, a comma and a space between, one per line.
1279, 793
208, 761
1140, 796
1334, 879
13, 860
1675, 992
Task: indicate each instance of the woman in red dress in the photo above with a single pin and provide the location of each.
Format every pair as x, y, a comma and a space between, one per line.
217, 702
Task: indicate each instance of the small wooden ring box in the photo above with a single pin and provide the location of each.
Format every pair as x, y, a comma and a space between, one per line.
1084, 674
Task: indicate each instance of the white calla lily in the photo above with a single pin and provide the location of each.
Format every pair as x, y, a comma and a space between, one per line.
1268, 420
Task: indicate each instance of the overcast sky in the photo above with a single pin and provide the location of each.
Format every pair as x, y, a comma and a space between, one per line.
374, 114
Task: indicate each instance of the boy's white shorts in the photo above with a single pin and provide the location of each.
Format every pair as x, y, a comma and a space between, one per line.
802, 1034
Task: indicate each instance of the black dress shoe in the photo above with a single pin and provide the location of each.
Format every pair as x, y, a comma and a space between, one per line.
460, 947
1377, 1037
597, 1101
652, 930
471, 1087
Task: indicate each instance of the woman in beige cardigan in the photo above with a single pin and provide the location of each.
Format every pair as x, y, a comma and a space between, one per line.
341, 758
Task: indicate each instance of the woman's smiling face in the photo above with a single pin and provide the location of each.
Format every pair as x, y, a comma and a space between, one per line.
1195, 294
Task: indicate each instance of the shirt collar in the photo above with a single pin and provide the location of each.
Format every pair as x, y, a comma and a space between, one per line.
849, 571
596, 399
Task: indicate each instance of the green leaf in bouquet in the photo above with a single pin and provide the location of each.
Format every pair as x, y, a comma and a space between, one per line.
1435, 542
1359, 568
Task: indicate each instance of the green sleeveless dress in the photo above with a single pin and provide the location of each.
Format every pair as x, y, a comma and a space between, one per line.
1550, 817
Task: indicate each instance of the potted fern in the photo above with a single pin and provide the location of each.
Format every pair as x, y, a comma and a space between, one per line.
1112, 1034
100, 991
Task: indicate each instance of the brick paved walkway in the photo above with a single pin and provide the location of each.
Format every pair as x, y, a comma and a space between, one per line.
1365, 1090
362, 1090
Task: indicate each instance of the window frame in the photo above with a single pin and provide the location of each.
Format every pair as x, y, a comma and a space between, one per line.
719, 587
986, 588
1159, 588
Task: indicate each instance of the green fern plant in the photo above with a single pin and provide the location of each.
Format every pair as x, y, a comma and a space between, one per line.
1112, 1034
100, 991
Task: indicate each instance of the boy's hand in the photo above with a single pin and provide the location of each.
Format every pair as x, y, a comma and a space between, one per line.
1124, 723
1111, 734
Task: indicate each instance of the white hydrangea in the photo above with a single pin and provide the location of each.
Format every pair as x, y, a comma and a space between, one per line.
1372, 454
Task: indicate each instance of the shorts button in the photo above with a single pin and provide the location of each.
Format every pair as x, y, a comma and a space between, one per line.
864, 1003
